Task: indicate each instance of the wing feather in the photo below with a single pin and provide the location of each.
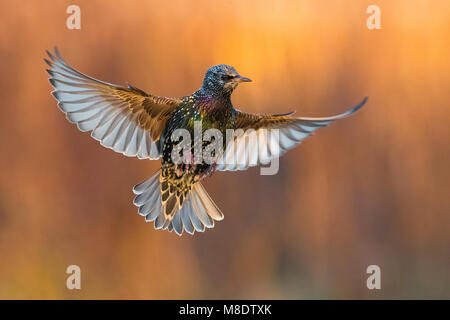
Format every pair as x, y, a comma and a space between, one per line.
127, 120
266, 137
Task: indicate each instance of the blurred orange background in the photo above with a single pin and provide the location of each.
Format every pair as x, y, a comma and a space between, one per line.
371, 189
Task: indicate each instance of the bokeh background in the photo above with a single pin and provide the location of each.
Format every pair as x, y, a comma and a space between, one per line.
372, 189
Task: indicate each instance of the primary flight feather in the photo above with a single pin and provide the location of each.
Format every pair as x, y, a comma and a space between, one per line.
135, 123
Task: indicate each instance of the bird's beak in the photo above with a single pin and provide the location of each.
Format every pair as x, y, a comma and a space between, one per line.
240, 78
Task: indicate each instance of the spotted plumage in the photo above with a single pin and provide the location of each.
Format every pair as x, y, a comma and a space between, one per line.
135, 123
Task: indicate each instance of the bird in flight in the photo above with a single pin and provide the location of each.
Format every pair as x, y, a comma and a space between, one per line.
135, 123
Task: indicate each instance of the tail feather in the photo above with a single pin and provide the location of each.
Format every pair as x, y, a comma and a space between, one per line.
197, 224
141, 187
201, 212
208, 203
198, 211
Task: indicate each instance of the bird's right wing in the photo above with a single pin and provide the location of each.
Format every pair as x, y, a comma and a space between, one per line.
265, 137
127, 120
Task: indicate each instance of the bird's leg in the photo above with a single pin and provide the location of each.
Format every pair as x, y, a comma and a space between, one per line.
209, 171
186, 165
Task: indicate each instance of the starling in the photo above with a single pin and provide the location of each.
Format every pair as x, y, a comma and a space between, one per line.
135, 123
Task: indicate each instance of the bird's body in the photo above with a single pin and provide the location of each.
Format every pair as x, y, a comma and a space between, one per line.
130, 121
209, 113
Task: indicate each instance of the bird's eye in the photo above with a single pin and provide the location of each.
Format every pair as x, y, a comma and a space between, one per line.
227, 77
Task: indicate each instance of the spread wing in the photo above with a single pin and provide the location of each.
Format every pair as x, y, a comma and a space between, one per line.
127, 120
266, 137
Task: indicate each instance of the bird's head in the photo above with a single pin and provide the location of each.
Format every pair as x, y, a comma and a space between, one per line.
222, 79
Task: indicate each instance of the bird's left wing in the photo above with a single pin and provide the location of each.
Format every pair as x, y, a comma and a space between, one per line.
266, 137
127, 120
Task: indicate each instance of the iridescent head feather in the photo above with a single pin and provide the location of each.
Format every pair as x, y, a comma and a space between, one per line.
221, 80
